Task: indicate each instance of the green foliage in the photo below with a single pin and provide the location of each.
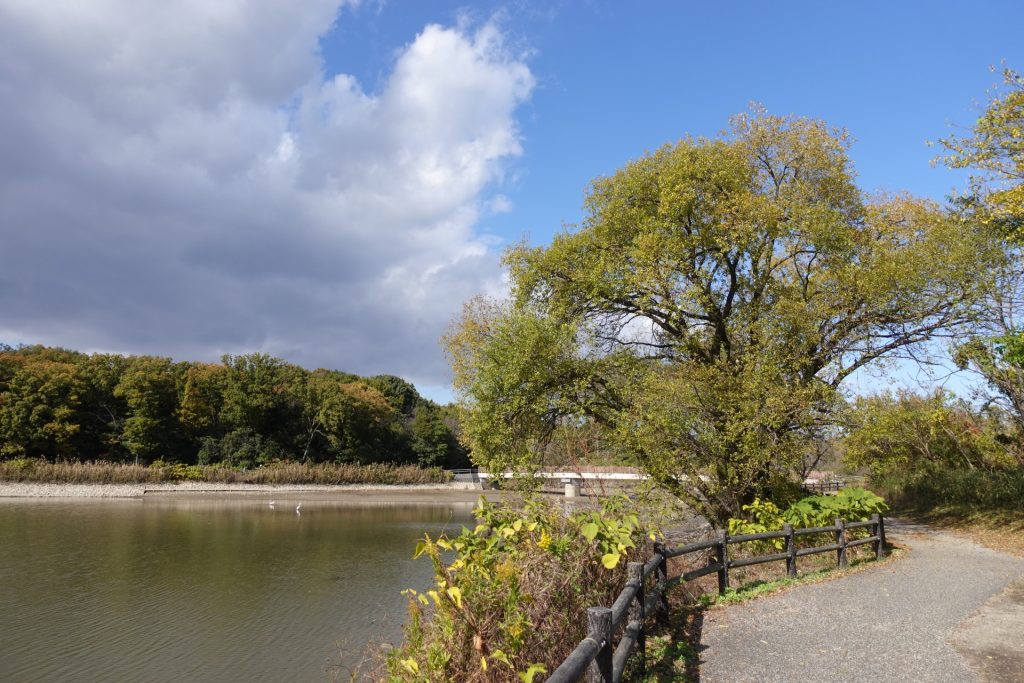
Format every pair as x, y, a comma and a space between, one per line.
907, 433
995, 151
1000, 360
149, 387
248, 411
977, 490
708, 308
430, 436
763, 516
242, 448
506, 602
41, 407
613, 536
401, 395
851, 504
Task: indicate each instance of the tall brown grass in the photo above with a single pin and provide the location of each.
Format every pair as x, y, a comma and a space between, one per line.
73, 472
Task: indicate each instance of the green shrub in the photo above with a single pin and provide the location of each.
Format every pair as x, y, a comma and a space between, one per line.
850, 504
510, 603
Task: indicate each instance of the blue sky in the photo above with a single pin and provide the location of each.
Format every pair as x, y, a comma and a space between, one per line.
617, 79
328, 181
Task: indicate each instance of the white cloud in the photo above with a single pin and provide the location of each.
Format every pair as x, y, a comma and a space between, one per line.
184, 179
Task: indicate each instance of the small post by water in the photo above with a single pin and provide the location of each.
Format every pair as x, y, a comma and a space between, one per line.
635, 572
599, 629
790, 550
841, 542
722, 557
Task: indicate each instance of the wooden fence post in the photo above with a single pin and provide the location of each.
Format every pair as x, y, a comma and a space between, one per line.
599, 628
722, 557
790, 549
880, 532
635, 572
841, 541
661, 578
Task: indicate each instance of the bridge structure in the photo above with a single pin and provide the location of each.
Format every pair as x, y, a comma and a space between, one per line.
574, 480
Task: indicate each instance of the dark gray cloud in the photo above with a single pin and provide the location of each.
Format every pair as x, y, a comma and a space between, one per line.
182, 178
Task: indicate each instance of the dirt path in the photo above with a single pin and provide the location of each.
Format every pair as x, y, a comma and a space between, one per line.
950, 611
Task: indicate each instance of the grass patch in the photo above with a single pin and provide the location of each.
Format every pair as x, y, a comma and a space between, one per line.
673, 651
761, 587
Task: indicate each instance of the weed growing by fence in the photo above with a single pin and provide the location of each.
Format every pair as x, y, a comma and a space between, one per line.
508, 606
851, 504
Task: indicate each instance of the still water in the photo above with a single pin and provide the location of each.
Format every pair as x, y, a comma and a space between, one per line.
204, 590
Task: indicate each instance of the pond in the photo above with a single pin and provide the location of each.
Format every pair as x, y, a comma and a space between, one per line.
206, 589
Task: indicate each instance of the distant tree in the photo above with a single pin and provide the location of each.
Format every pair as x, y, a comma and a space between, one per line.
248, 410
402, 395
907, 433
259, 395
239, 448
709, 308
1000, 360
202, 399
362, 428
323, 412
431, 438
41, 408
101, 433
149, 387
994, 150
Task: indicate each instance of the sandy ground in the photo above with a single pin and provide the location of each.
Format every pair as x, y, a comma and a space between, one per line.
366, 492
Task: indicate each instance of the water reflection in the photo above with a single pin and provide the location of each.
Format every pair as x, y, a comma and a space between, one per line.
204, 589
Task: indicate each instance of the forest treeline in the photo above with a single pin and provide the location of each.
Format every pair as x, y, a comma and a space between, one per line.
245, 411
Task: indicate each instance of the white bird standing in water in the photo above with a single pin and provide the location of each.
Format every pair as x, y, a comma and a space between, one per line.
272, 503
297, 509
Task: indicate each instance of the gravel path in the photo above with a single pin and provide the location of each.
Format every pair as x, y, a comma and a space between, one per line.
896, 623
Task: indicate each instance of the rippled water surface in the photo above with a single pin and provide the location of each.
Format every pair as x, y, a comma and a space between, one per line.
203, 590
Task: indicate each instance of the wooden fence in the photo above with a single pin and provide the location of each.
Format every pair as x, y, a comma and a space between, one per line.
832, 486
602, 660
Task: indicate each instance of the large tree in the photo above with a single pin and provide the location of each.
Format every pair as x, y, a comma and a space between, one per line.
708, 309
994, 151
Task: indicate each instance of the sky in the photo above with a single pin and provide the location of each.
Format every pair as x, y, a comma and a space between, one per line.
328, 181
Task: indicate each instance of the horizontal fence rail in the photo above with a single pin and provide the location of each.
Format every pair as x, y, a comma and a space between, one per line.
599, 659
833, 486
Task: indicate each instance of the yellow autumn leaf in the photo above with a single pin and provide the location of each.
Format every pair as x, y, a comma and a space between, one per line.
455, 593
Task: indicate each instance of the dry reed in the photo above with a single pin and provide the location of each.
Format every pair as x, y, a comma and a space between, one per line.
73, 472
